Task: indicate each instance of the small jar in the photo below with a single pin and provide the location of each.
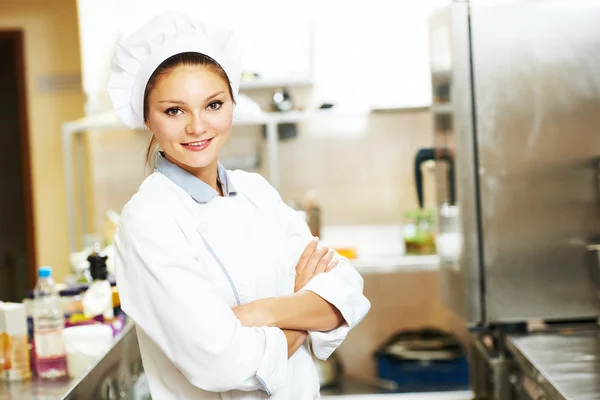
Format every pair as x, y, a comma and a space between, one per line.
418, 232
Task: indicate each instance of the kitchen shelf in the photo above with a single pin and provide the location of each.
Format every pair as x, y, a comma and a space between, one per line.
109, 121
71, 138
441, 75
298, 116
442, 108
396, 264
302, 116
380, 248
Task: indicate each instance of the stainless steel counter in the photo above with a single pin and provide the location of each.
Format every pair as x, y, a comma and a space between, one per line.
113, 372
564, 365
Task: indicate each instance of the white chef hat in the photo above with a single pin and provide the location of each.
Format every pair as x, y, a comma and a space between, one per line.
166, 35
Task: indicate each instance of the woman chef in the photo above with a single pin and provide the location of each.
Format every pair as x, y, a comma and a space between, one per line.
223, 280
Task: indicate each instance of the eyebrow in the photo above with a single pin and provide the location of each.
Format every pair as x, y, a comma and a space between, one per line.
183, 102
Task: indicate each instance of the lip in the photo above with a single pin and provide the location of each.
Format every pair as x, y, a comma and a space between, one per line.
197, 145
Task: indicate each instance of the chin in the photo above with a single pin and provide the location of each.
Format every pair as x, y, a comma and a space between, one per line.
199, 160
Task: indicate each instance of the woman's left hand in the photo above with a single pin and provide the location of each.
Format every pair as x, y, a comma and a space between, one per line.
313, 261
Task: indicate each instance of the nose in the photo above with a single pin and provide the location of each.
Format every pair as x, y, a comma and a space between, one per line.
196, 125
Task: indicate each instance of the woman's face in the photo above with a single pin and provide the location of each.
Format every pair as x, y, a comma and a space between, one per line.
190, 112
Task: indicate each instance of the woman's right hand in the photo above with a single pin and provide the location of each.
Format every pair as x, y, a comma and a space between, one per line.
314, 260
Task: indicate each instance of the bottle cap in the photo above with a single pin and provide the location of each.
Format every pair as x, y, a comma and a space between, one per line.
45, 272
98, 268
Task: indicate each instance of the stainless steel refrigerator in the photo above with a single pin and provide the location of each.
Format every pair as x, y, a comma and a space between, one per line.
516, 92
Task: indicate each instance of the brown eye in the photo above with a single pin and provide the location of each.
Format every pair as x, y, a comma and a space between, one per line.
173, 111
215, 105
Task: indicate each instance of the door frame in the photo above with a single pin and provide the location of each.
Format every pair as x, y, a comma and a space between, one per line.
16, 36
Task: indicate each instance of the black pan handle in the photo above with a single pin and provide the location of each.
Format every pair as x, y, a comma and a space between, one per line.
430, 153
423, 155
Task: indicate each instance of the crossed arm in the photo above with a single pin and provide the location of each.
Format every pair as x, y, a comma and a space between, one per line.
214, 351
302, 311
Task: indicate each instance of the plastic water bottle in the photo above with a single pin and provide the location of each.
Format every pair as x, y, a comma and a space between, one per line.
48, 325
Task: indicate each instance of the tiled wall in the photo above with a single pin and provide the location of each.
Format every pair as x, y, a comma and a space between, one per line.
362, 177
361, 167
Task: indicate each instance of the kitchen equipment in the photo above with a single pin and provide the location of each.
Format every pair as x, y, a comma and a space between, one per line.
447, 239
423, 360
524, 139
595, 250
282, 101
429, 154
519, 111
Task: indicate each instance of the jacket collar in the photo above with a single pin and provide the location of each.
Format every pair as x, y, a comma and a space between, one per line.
196, 188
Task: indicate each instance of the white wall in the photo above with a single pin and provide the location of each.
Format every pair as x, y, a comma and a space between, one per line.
364, 54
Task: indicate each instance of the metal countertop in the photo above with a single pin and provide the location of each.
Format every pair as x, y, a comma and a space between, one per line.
564, 364
39, 389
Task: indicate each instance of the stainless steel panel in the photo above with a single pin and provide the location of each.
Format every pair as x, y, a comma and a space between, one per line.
460, 282
564, 365
537, 90
490, 371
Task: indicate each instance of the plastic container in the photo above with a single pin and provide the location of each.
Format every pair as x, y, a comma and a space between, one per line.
84, 345
48, 325
449, 239
424, 360
17, 365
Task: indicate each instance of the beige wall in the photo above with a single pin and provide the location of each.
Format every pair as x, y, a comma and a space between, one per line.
361, 168
51, 48
398, 302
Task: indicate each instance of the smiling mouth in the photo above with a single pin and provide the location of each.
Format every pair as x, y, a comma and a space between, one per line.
198, 145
